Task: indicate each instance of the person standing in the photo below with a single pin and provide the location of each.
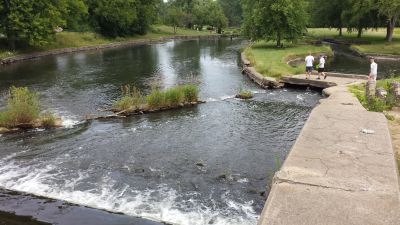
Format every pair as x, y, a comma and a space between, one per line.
374, 70
309, 65
321, 67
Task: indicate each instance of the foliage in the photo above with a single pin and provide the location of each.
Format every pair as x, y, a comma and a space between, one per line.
244, 94
131, 99
174, 97
174, 17
275, 20
233, 11
48, 120
390, 9
156, 99
190, 92
328, 13
375, 104
31, 22
22, 108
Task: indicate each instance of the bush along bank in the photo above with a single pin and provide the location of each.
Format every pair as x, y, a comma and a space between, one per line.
380, 96
133, 102
23, 112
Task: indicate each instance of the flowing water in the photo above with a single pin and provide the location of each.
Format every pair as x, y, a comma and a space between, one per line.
209, 164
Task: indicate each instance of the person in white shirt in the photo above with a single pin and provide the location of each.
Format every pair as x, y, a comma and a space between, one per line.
374, 70
309, 65
321, 67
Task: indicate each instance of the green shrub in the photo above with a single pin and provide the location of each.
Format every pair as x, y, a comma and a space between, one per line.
125, 103
4, 119
244, 94
190, 92
23, 106
156, 99
132, 98
48, 120
174, 96
376, 105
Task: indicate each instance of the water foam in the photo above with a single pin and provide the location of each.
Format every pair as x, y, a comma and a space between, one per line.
160, 204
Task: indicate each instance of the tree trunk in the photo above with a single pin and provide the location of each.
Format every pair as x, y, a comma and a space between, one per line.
359, 32
340, 31
278, 40
174, 29
390, 28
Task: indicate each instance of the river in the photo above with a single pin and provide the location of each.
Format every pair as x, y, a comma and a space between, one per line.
209, 164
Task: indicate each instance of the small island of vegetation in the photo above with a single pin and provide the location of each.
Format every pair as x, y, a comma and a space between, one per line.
23, 112
133, 102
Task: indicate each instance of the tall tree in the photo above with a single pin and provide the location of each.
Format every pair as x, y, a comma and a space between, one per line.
122, 17
329, 13
275, 20
362, 15
233, 11
32, 22
76, 14
174, 17
390, 9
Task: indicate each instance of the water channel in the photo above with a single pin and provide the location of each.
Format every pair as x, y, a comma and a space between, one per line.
209, 164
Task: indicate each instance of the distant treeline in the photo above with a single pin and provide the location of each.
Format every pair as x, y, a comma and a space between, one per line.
288, 19
35, 23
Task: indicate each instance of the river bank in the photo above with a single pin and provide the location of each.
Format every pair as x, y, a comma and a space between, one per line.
372, 42
68, 42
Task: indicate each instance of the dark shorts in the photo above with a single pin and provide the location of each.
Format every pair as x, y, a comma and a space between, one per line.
309, 69
321, 70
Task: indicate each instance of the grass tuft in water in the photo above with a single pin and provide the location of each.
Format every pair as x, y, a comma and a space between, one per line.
156, 99
245, 94
23, 108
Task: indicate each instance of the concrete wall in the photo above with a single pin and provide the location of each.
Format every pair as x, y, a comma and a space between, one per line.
341, 169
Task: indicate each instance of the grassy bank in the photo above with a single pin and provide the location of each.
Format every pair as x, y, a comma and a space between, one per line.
272, 62
371, 42
133, 100
23, 108
80, 39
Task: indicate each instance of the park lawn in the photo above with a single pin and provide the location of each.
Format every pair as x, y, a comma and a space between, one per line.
375, 42
80, 39
272, 62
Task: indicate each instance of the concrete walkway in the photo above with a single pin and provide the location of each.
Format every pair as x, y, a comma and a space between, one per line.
335, 173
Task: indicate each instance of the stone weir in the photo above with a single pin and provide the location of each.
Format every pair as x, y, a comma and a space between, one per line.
341, 169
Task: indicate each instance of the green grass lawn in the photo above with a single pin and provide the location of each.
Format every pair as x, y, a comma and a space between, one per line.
374, 40
80, 39
272, 62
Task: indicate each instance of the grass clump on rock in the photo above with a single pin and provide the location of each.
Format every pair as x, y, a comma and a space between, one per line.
23, 110
157, 99
244, 94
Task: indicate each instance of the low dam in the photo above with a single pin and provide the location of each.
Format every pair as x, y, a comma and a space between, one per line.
341, 169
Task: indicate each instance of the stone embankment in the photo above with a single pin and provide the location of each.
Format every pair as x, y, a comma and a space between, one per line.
25, 57
264, 82
341, 169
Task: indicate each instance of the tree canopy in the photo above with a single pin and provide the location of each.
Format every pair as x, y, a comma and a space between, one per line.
275, 20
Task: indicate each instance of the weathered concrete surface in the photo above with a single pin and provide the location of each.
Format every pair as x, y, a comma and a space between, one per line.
332, 80
336, 174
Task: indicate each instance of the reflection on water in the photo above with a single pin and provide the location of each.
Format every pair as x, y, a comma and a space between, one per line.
208, 164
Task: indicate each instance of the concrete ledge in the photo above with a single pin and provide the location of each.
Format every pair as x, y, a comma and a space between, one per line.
25, 57
336, 174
